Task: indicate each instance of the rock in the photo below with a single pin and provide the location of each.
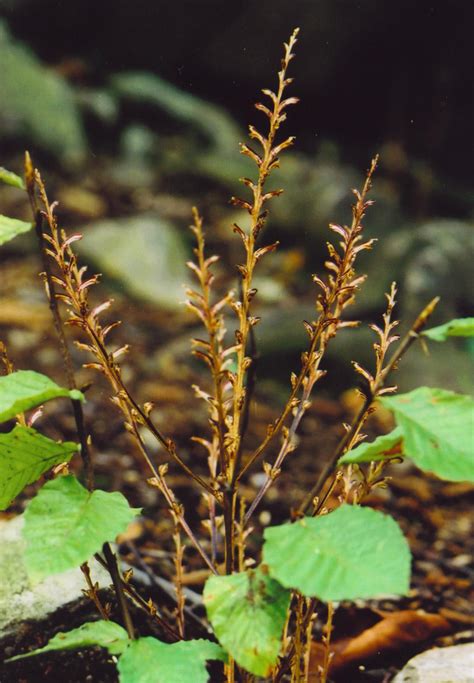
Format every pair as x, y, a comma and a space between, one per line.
20, 601
144, 253
37, 103
215, 124
440, 665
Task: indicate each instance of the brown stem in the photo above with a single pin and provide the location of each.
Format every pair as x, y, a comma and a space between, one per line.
119, 386
327, 643
92, 592
249, 391
141, 602
287, 443
113, 569
159, 482
58, 325
285, 664
229, 518
283, 415
402, 348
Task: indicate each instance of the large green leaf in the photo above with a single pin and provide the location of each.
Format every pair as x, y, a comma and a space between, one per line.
350, 553
25, 389
11, 227
437, 428
24, 456
247, 612
103, 633
460, 327
10, 178
65, 525
148, 660
379, 449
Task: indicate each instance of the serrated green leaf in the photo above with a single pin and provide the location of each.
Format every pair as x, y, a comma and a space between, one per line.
247, 612
379, 449
25, 389
102, 633
11, 227
148, 660
10, 178
24, 456
459, 327
437, 428
350, 553
65, 525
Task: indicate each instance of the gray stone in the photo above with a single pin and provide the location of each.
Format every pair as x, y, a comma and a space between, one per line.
143, 253
22, 601
37, 103
440, 665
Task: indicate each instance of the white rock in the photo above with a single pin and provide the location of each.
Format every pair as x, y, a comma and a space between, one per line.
440, 665
19, 599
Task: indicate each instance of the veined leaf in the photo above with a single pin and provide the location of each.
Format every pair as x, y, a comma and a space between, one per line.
247, 612
103, 633
65, 524
10, 178
11, 227
25, 389
24, 456
437, 428
350, 553
459, 327
148, 660
379, 449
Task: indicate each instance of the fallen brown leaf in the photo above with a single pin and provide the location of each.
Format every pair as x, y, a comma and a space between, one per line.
395, 631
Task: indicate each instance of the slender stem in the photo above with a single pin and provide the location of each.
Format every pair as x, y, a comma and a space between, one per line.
229, 518
112, 566
148, 607
69, 368
265, 165
92, 592
58, 324
159, 482
402, 348
327, 643
286, 445
285, 664
120, 387
249, 391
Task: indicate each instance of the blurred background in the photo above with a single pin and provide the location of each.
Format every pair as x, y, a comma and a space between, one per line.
134, 111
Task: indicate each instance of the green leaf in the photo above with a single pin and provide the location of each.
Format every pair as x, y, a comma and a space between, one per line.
103, 633
11, 227
247, 612
25, 389
65, 525
24, 456
437, 430
148, 660
10, 178
460, 327
379, 449
350, 553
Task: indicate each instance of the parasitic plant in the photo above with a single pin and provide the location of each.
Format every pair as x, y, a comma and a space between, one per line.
261, 608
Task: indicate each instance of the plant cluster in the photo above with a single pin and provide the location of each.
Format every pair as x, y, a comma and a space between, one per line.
261, 610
